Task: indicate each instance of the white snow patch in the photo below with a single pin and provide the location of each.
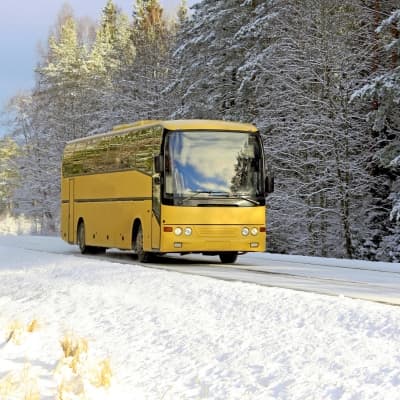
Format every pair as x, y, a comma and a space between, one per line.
172, 336
16, 225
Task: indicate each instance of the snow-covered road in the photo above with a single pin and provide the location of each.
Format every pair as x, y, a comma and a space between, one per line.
174, 336
373, 281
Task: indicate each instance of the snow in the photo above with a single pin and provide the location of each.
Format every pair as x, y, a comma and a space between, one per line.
172, 336
16, 225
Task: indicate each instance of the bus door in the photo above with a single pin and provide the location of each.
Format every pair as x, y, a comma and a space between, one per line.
156, 213
71, 211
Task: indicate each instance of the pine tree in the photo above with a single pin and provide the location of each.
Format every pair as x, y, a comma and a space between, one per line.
63, 81
109, 20
182, 14
152, 39
109, 63
148, 22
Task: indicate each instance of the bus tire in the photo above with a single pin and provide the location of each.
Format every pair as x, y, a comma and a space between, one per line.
143, 256
81, 238
83, 247
228, 257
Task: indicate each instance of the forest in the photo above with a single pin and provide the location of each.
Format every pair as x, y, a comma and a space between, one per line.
319, 78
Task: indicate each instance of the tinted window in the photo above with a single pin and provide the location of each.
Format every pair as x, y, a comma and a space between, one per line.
132, 150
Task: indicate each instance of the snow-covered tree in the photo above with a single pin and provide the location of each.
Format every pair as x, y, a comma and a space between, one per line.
303, 82
182, 14
109, 62
37, 191
382, 91
62, 83
207, 60
8, 172
54, 112
152, 38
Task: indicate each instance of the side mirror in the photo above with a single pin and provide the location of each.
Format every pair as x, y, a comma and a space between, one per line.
269, 184
158, 164
156, 180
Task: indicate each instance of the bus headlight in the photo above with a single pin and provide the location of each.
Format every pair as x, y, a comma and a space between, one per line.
254, 231
178, 231
245, 231
188, 231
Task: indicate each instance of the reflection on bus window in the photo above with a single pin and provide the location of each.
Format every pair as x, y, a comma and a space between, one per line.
212, 162
114, 152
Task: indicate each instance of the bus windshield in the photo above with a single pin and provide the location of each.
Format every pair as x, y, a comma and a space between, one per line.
203, 165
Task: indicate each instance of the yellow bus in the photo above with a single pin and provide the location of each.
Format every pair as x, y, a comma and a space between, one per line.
156, 187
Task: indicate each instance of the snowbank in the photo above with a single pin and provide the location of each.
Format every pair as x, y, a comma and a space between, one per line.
171, 336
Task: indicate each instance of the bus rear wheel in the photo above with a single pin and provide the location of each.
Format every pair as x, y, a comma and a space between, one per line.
228, 257
143, 256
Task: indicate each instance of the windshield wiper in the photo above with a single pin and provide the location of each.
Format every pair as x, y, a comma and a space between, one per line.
196, 193
244, 197
222, 194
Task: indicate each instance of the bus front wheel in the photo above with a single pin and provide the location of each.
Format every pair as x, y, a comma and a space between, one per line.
143, 256
83, 247
228, 257
81, 238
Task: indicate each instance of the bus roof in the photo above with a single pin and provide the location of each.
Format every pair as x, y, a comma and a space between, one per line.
192, 124
174, 125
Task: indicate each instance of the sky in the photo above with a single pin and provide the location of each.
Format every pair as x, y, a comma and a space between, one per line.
26, 23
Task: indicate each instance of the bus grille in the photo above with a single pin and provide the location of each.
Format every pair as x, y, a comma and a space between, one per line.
215, 232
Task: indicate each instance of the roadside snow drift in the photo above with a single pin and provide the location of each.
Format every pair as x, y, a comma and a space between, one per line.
74, 327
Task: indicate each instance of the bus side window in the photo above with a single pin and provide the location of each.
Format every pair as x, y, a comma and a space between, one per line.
101, 155
68, 161
78, 158
113, 160
128, 151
